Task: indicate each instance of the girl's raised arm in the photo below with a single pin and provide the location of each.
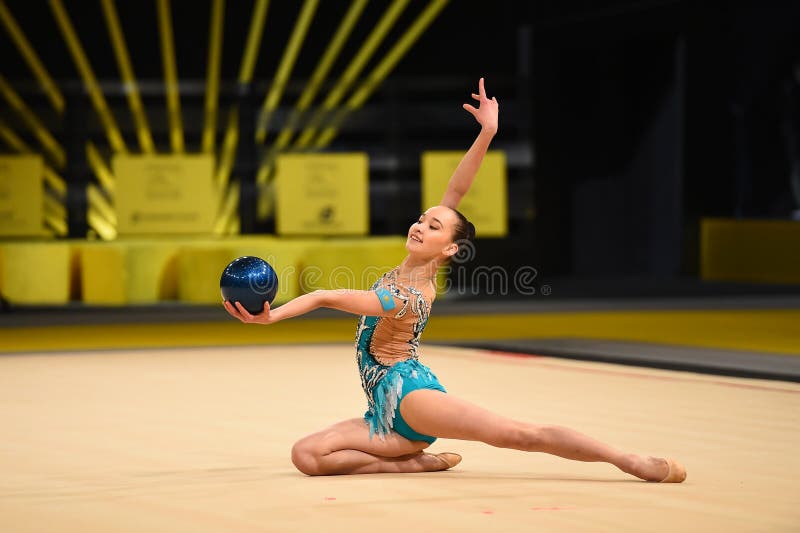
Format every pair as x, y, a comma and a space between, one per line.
461, 180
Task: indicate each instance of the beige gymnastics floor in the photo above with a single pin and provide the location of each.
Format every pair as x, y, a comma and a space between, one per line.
198, 440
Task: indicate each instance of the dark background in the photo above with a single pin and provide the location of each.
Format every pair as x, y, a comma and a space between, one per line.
625, 122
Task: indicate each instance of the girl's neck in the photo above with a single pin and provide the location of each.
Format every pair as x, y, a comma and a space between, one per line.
418, 269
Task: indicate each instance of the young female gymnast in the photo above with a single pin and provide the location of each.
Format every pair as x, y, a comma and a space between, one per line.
407, 406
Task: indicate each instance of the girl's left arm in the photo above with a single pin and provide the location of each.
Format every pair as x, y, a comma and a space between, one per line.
355, 302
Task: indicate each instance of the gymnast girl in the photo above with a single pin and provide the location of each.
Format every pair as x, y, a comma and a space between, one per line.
407, 406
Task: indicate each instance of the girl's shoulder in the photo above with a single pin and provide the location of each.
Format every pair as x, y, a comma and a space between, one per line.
412, 284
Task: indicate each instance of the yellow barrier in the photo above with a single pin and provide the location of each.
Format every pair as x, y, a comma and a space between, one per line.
132, 272
200, 266
36, 273
149, 271
349, 263
760, 251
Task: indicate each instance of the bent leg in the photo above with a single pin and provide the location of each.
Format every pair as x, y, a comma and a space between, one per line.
441, 415
346, 448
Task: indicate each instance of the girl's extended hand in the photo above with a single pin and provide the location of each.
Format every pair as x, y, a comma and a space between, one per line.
238, 311
487, 111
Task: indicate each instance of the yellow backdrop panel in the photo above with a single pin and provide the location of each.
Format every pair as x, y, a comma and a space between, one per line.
21, 195
322, 194
486, 204
164, 194
36, 273
763, 251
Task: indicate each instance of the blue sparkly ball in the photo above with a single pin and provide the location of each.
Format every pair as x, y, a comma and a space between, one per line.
249, 280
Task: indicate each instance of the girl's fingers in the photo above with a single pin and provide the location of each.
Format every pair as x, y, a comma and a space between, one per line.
471, 109
232, 311
476, 96
481, 90
243, 311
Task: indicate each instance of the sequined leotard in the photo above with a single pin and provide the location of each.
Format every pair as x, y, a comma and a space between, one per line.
386, 352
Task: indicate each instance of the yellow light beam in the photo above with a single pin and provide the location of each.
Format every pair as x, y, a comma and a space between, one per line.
90, 81
101, 170
320, 72
54, 206
128, 77
234, 226
97, 222
24, 46
309, 92
382, 70
285, 68
12, 139
96, 199
33, 123
55, 182
228, 209
56, 224
54, 216
228, 150
212, 75
245, 76
253, 41
353, 69
170, 76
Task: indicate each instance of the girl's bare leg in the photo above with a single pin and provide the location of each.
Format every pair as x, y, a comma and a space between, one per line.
345, 448
435, 413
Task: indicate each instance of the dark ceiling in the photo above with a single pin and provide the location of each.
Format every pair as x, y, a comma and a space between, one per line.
468, 38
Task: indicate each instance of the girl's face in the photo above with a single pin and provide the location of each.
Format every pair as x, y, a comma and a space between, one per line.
431, 235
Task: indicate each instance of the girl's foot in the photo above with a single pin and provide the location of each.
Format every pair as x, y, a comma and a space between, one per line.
435, 462
655, 469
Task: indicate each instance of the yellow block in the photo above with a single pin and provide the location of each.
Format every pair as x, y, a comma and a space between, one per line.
164, 194
103, 274
486, 204
199, 270
322, 194
350, 263
21, 195
761, 251
129, 272
152, 271
36, 273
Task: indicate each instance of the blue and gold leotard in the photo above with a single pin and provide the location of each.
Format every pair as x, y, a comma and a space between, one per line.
386, 352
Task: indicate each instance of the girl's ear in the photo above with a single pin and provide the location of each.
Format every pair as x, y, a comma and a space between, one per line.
451, 249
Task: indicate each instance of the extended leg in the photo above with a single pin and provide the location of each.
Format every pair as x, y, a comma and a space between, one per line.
435, 413
346, 448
